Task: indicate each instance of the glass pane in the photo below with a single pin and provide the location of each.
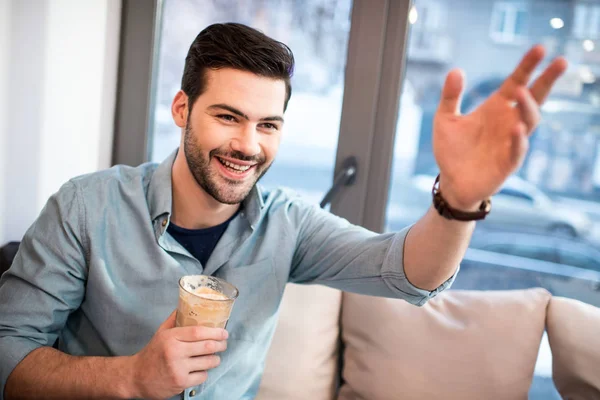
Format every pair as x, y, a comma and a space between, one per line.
499, 21
555, 197
316, 31
521, 22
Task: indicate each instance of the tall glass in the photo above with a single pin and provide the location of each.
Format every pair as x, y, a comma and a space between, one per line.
205, 301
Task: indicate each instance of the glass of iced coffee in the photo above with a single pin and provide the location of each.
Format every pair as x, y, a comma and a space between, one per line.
205, 300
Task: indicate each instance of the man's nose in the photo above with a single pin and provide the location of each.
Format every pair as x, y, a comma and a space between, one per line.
246, 141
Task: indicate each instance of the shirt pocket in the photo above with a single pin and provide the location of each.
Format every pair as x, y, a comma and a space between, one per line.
253, 316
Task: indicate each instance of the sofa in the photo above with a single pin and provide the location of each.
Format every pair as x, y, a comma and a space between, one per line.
461, 345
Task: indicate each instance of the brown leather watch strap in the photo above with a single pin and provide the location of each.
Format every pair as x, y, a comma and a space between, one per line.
444, 209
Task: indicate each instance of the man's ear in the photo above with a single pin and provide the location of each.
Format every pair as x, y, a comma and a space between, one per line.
180, 109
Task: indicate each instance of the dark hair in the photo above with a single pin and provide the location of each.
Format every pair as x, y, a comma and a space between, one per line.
237, 46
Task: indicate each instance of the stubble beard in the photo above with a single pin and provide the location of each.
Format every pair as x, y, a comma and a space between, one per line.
226, 191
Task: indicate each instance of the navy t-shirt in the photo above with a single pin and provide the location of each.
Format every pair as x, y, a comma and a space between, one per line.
199, 242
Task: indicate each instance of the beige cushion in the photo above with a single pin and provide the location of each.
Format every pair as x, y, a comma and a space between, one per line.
303, 359
461, 345
574, 335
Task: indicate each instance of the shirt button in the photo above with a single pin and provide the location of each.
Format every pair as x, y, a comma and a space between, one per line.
164, 223
192, 393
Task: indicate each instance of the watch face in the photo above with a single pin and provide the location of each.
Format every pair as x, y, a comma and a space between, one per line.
487, 206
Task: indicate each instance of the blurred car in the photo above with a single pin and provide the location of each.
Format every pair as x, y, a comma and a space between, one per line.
521, 204
557, 250
507, 261
518, 206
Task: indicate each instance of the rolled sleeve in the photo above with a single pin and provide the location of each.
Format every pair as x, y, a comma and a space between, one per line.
13, 350
395, 277
45, 282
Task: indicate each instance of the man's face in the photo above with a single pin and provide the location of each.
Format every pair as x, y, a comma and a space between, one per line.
233, 132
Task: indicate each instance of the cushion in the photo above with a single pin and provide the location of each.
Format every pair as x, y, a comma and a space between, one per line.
574, 335
303, 360
460, 345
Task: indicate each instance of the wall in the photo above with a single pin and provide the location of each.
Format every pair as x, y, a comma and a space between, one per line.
5, 11
61, 82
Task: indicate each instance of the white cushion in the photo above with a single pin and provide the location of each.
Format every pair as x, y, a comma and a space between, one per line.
461, 345
574, 335
303, 359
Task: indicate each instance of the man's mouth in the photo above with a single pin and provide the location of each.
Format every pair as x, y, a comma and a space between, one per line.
235, 167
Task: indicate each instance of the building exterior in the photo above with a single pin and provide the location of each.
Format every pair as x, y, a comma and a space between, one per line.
487, 39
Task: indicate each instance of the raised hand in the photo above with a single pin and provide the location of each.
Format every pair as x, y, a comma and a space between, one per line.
477, 152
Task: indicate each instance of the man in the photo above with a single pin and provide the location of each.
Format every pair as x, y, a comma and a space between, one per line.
100, 266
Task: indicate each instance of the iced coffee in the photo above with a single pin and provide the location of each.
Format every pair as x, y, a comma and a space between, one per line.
205, 300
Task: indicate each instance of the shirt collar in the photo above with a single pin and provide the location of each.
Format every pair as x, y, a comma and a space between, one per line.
160, 191
160, 194
253, 205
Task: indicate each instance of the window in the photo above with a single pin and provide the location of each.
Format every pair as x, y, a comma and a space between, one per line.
554, 189
428, 39
509, 22
586, 21
428, 25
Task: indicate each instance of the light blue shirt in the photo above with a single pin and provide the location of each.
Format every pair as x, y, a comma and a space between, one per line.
99, 271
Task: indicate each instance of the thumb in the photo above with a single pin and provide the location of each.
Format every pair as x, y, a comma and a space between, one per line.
169, 322
452, 92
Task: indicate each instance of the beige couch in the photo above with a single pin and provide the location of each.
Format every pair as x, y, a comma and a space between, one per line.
461, 345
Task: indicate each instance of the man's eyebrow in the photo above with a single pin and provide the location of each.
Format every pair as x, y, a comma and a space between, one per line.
273, 118
241, 114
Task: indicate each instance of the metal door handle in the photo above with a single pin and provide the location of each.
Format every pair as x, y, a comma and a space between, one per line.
345, 177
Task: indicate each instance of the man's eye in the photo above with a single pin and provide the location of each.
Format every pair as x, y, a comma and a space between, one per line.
269, 126
227, 117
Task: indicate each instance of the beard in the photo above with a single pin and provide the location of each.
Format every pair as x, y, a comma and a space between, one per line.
222, 189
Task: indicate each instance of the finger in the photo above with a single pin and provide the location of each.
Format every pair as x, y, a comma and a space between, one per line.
205, 347
522, 73
520, 129
202, 363
542, 85
169, 322
519, 146
198, 333
529, 109
196, 378
452, 92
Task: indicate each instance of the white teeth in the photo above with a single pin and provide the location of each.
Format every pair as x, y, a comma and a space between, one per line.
237, 167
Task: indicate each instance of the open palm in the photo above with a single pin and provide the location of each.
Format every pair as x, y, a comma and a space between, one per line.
478, 151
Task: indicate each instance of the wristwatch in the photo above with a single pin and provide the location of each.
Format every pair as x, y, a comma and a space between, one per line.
448, 212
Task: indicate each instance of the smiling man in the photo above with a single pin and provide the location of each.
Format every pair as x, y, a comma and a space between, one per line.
99, 268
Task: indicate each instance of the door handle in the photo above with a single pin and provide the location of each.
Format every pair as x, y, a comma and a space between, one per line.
345, 177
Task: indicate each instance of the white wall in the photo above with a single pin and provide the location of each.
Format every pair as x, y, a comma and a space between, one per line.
4, 43
61, 82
